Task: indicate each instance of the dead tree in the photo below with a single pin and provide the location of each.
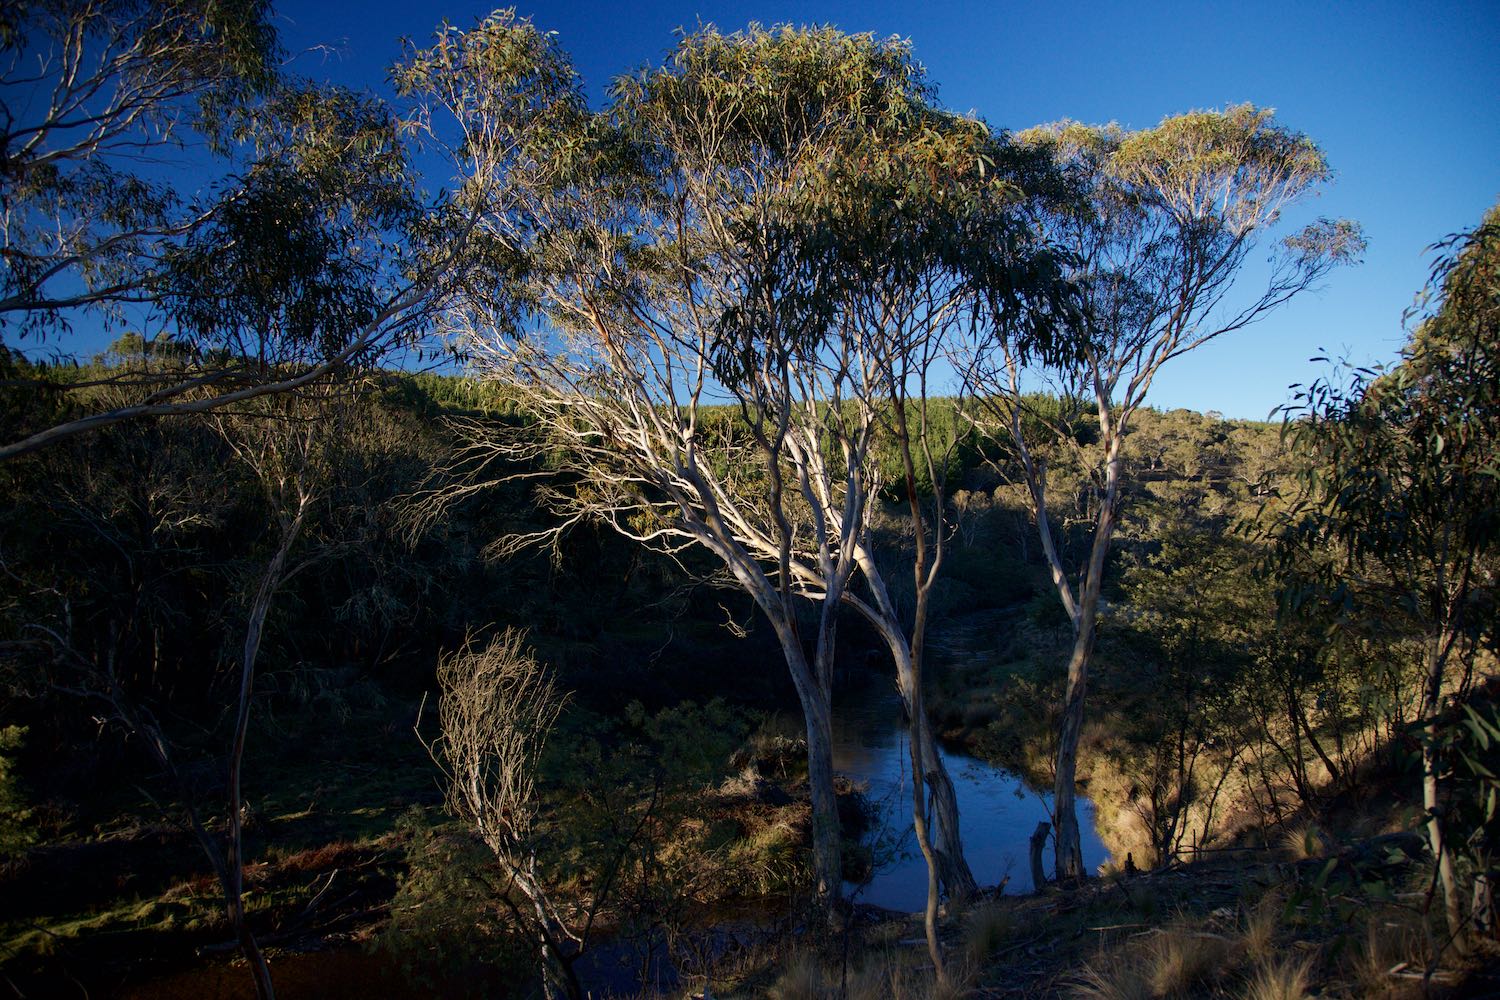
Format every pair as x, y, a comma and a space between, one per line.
496, 709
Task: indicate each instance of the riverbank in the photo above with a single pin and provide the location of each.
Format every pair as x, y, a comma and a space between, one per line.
358, 883
398, 909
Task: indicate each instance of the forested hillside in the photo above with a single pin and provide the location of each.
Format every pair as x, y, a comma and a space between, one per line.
463, 571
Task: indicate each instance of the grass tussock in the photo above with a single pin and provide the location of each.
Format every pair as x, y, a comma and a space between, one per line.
1178, 960
1259, 929
1170, 962
1280, 980
801, 979
1392, 941
986, 930
769, 858
1303, 841
1110, 980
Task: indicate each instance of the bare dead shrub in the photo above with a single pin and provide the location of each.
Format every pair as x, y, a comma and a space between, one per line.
496, 709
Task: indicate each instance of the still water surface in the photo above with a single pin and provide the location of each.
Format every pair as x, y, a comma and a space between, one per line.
997, 810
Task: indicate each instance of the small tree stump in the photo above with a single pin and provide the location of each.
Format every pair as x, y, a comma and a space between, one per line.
1038, 842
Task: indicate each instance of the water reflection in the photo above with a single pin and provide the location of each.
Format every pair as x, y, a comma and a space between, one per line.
997, 810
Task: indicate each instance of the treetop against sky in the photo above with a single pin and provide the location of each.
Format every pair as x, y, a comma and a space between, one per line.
1399, 96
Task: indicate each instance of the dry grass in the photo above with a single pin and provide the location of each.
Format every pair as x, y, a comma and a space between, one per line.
880, 974
801, 979
1258, 935
1179, 960
872, 980
741, 785
1303, 841
960, 983
322, 857
885, 976
986, 929
1110, 980
1171, 962
1283, 980
768, 858
1391, 940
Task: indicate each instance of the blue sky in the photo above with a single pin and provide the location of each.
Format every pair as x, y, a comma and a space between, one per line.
1402, 96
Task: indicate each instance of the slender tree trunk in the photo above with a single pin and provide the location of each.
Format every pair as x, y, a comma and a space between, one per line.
1069, 865
953, 867
947, 838
817, 711
814, 693
234, 855
1084, 612
1038, 844
954, 870
920, 745
827, 834
556, 959
817, 715
919, 825
1070, 726
1432, 703
1440, 850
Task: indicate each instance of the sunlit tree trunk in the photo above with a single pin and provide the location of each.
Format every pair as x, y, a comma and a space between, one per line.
817, 715
1070, 726
946, 835
920, 828
1439, 646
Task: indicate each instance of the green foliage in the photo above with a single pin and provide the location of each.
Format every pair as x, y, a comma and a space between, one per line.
295, 265
1473, 746
134, 545
17, 830
1180, 659
1399, 479
510, 75
1198, 149
446, 930
691, 742
142, 73
857, 81
1479, 750
600, 771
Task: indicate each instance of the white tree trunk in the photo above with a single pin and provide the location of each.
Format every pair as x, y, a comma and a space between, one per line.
1070, 725
1432, 705
947, 838
817, 715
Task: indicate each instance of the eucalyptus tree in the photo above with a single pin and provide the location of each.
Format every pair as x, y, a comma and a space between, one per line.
90, 92
669, 311
924, 239
1160, 224
1400, 509
711, 352
158, 169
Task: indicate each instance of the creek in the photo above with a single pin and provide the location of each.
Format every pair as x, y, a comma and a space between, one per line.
998, 811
